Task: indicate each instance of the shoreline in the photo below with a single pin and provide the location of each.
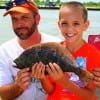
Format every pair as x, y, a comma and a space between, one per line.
54, 8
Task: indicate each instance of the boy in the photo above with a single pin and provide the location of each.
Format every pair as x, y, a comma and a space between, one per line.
72, 23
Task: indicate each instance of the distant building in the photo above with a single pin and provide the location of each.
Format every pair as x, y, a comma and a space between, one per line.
49, 0
50, 4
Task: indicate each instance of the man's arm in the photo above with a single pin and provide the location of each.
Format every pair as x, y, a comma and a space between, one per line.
10, 91
13, 90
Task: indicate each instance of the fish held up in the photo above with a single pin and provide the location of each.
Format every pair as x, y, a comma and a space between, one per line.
52, 52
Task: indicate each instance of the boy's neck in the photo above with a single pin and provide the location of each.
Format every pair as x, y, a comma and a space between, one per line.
73, 48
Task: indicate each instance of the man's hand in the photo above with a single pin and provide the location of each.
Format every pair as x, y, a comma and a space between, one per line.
23, 79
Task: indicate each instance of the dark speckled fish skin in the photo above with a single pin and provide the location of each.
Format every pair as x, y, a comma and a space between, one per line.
46, 55
48, 52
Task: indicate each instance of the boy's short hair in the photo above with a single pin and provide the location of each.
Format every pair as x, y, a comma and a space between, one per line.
75, 4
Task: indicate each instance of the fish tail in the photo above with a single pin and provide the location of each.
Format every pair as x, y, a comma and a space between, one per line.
85, 76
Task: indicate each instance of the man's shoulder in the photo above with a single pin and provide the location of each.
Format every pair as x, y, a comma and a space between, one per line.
48, 38
8, 43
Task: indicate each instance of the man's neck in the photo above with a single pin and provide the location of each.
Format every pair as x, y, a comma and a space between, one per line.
34, 39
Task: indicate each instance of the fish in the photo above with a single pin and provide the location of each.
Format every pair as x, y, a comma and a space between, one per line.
52, 52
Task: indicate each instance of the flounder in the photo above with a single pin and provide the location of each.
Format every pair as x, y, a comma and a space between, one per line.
52, 52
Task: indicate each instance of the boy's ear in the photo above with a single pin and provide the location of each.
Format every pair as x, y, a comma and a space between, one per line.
58, 24
87, 23
37, 18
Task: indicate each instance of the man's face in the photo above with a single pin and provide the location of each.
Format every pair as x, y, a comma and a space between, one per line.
24, 25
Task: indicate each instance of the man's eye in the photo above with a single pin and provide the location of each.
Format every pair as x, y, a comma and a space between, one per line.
14, 19
25, 17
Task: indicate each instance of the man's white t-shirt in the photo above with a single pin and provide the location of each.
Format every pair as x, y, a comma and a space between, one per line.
8, 52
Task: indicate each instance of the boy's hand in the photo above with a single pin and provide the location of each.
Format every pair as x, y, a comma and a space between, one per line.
55, 72
96, 73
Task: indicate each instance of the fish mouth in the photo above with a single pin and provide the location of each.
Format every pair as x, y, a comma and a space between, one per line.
14, 64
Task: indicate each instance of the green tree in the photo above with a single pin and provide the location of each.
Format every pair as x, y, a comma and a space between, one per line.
37, 1
58, 2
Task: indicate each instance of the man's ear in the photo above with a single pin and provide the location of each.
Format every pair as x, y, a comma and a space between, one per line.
37, 17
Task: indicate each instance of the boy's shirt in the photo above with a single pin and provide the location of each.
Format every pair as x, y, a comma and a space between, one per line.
87, 57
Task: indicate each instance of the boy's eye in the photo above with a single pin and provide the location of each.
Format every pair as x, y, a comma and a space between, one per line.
63, 23
76, 23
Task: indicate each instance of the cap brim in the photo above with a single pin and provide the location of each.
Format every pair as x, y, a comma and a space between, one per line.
17, 9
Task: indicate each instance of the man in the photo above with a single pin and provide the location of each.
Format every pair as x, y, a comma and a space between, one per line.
18, 84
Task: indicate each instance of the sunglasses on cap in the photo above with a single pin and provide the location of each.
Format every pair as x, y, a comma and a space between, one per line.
13, 3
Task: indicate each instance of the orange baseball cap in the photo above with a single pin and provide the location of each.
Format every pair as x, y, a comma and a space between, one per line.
24, 7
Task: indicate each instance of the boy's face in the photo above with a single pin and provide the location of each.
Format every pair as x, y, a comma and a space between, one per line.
71, 24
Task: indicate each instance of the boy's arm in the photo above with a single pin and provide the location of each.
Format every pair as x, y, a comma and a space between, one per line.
38, 72
47, 85
85, 93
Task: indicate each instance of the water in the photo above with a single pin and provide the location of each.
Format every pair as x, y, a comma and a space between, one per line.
48, 24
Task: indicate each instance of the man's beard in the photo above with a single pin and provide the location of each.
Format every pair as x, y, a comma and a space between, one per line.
29, 32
